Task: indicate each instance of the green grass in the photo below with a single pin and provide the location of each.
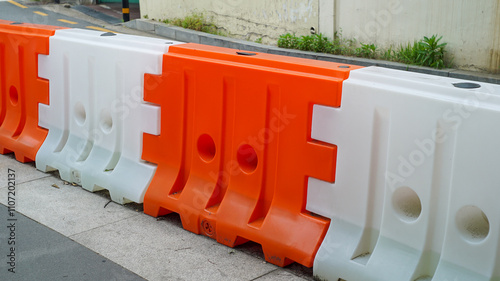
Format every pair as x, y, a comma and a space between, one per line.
317, 43
429, 51
196, 21
366, 51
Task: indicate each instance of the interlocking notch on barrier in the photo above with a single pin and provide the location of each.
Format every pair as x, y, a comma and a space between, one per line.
96, 116
416, 191
235, 152
21, 90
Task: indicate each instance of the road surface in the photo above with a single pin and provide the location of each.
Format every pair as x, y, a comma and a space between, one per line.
33, 12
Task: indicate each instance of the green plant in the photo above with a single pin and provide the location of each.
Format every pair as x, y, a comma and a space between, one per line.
196, 21
146, 16
408, 53
366, 51
258, 40
306, 43
389, 54
431, 52
315, 42
288, 41
345, 46
321, 43
426, 52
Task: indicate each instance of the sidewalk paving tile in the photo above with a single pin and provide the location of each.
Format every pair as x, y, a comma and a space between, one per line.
161, 250
67, 209
280, 275
24, 172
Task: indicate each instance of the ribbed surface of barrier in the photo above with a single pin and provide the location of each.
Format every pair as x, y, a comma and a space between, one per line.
235, 152
416, 190
96, 116
21, 90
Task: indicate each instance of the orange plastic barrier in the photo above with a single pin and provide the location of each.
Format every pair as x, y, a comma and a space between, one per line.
235, 152
20, 87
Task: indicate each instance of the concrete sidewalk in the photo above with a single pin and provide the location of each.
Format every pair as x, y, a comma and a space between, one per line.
66, 233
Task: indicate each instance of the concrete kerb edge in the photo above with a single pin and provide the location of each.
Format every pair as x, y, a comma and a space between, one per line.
191, 36
142, 25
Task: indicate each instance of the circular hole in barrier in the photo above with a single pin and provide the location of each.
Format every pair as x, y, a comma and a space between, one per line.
106, 122
472, 223
206, 147
80, 114
467, 85
247, 158
14, 97
406, 204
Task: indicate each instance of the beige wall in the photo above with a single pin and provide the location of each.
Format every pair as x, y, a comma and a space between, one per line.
248, 20
471, 28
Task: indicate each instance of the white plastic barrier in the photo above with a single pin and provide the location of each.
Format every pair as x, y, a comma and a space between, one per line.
97, 115
417, 180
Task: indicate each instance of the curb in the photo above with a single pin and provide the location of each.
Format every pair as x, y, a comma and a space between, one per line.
187, 35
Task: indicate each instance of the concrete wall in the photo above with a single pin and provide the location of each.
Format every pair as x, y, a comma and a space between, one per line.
471, 28
248, 20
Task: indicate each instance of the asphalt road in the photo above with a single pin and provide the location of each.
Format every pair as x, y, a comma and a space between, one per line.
32, 251
30, 12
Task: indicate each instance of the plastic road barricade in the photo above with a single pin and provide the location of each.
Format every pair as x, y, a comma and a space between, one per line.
235, 152
97, 116
21, 90
416, 190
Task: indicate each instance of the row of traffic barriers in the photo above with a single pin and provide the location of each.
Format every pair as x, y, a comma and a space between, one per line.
363, 173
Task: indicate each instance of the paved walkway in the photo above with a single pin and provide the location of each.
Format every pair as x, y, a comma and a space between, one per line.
63, 232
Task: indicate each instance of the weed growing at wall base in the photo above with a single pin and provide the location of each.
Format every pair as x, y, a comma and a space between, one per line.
318, 43
429, 51
196, 21
288, 41
366, 51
